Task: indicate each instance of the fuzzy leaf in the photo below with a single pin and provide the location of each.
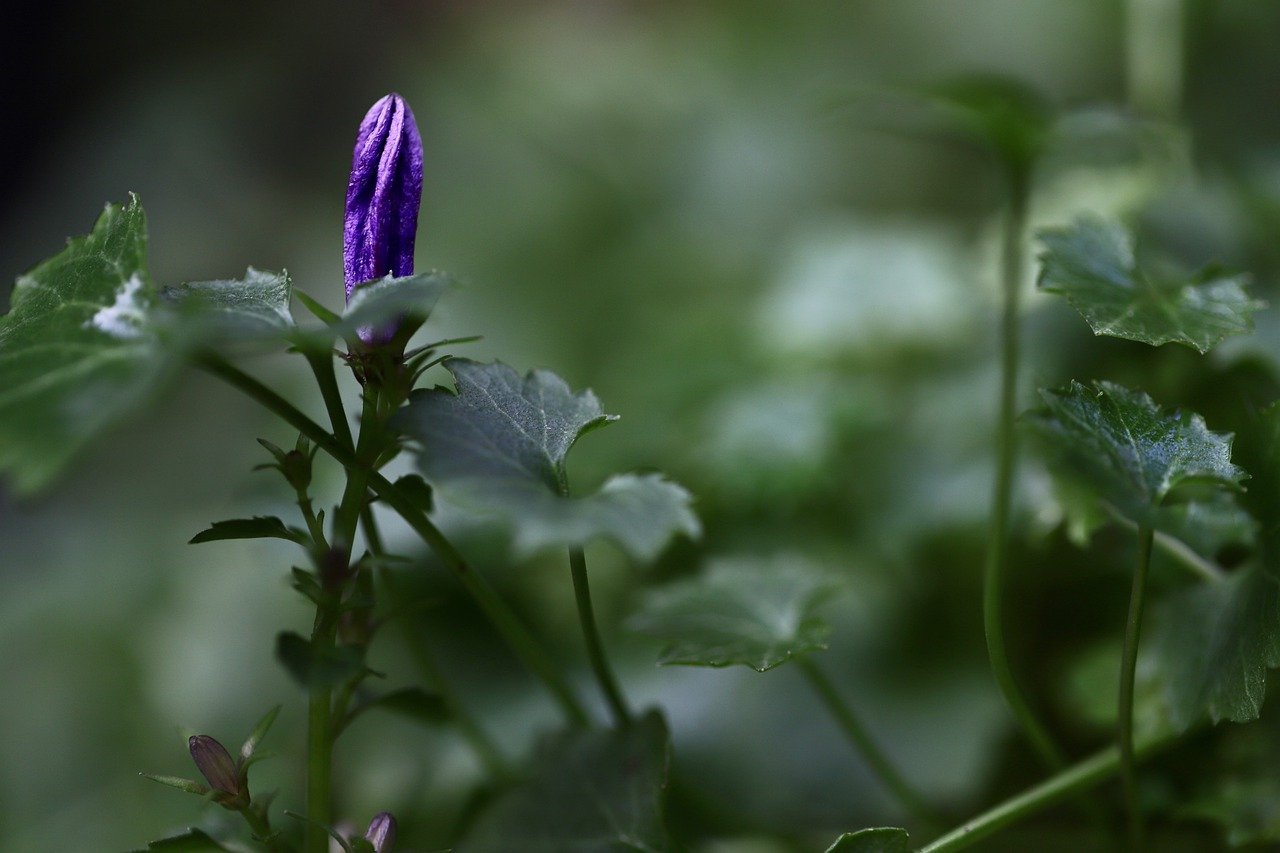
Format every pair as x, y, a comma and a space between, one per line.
1129, 452
883, 839
753, 612
258, 527
76, 351
256, 306
597, 790
497, 447
1092, 263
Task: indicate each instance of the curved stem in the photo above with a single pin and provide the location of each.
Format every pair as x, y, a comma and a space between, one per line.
591, 634
1012, 264
504, 620
1067, 783
1128, 675
880, 764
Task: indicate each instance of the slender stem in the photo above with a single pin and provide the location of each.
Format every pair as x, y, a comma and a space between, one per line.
1177, 549
866, 746
1064, 784
322, 366
591, 634
1128, 673
319, 740
1012, 269
256, 818
504, 620
314, 527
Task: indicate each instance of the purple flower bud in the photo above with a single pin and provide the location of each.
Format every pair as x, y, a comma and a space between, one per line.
216, 765
383, 197
382, 832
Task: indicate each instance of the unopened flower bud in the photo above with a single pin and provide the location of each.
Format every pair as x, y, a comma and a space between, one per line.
383, 196
296, 467
219, 770
382, 832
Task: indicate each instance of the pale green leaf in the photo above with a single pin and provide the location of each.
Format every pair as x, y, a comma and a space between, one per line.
222, 311
595, 791
497, 448
884, 839
1092, 263
759, 613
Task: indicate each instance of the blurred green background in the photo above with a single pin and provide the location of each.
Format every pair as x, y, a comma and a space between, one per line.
695, 209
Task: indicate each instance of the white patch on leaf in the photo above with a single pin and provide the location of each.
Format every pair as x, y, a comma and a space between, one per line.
125, 317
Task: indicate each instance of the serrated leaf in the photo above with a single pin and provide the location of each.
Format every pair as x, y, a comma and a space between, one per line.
258, 527
214, 312
1133, 455
597, 790
191, 841
1092, 263
1213, 645
497, 448
330, 666
884, 839
754, 612
76, 352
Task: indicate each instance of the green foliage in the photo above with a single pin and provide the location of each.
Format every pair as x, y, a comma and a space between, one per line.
1092, 263
1118, 443
191, 841
413, 703
881, 839
258, 527
311, 667
498, 447
1247, 809
754, 612
596, 790
222, 311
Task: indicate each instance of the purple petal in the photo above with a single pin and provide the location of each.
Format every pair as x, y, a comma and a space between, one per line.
215, 764
382, 832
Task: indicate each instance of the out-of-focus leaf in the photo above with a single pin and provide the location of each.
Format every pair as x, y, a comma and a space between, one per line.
1092, 686
191, 841
590, 791
1132, 454
411, 702
754, 612
256, 306
417, 490
1001, 112
1213, 645
497, 448
1247, 809
333, 665
883, 839
76, 351
260, 730
1092, 263
258, 527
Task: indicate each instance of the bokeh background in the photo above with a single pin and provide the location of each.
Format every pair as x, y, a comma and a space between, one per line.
699, 210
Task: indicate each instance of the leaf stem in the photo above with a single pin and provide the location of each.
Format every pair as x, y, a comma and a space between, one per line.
1062, 785
591, 634
319, 739
880, 764
1128, 675
1012, 271
499, 613
1177, 549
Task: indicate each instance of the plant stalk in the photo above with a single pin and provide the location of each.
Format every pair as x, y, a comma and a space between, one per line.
319, 741
1013, 262
595, 648
866, 746
1128, 675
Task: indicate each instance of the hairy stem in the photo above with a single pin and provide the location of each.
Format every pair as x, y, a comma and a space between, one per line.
1128, 675
1012, 270
866, 746
591, 634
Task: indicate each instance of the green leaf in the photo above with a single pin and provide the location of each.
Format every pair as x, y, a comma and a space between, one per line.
188, 785
1001, 112
259, 732
1247, 808
1133, 455
191, 841
884, 839
597, 790
1213, 645
413, 703
76, 352
416, 490
497, 447
1092, 263
258, 527
254, 307
754, 612
330, 666
1091, 692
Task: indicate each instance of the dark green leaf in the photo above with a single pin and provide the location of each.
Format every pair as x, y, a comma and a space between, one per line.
1213, 644
76, 351
497, 447
882, 839
258, 527
1000, 112
1248, 809
754, 612
411, 702
416, 489
598, 790
254, 307
1092, 263
330, 666
311, 304
191, 841
1130, 453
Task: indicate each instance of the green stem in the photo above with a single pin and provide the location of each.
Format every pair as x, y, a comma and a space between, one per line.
319, 741
504, 620
322, 366
1204, 569
591, 634
256, 818
862, 741
1012, 270
1061, 786
1128, 675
